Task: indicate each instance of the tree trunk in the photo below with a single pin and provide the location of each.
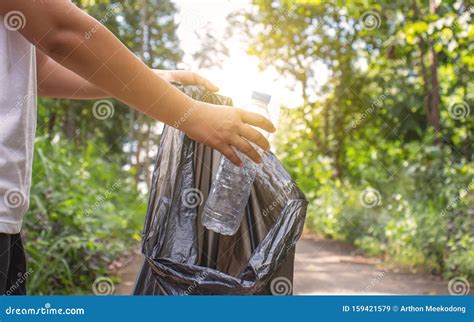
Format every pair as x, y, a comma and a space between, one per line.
434, 118
69, 126
339, 135
138, 151
52, 121
431, 99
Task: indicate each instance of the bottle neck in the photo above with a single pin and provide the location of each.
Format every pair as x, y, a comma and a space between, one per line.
259, 104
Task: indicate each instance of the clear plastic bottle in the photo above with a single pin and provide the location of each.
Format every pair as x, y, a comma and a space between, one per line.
230, 191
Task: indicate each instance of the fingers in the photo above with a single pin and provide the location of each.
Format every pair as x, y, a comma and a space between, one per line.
254, 136
230, 154
190, 78
245, 147
208, 84
258, 120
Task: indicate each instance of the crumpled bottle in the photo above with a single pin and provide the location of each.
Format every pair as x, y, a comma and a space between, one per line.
232, 184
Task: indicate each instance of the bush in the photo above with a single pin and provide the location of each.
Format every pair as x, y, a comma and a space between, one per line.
84, 213
414, 208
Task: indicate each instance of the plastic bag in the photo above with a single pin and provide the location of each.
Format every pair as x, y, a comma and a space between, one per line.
184, 258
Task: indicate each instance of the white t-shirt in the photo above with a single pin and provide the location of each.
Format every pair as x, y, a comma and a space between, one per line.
17, 125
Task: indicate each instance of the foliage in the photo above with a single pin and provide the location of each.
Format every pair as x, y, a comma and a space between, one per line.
392, 123
421, 217
84, 213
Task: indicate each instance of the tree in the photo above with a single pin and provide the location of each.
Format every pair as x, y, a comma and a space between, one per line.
394, 117
148, 28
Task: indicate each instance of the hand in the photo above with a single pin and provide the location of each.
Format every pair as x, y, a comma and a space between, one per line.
186, 78
224, 128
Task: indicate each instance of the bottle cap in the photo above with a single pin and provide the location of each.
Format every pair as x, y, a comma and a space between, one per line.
261, 97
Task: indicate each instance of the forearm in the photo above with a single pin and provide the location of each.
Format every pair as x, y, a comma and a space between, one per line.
57, 81
101, 59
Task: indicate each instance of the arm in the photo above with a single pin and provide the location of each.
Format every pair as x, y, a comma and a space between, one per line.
57, 81
105, 62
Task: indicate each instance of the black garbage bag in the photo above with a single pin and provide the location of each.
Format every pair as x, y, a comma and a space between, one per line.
184, 258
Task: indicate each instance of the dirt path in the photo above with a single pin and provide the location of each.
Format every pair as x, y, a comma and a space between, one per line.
128, 273
330, 267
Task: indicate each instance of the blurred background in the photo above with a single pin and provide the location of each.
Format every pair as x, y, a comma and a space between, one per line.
373, 101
